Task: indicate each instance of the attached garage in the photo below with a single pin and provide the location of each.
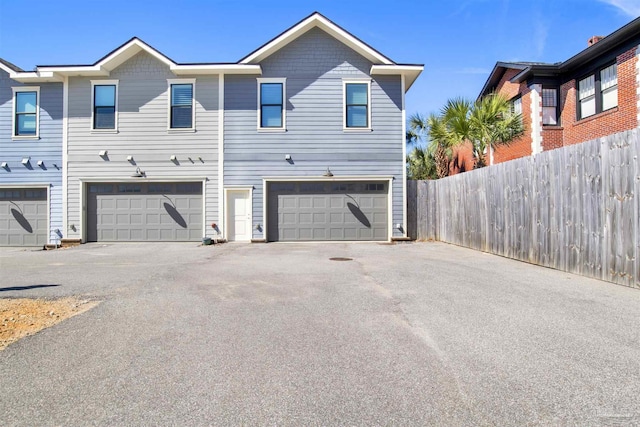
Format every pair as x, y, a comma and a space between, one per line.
140, 212
327, 210
24, 216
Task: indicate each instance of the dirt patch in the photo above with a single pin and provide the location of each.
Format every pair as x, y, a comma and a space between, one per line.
21, 317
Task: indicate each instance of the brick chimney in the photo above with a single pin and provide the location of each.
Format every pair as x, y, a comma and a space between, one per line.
593, 40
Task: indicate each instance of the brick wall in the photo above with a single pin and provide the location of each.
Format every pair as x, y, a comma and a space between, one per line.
463, 160
551, 137
519, 147
621, 118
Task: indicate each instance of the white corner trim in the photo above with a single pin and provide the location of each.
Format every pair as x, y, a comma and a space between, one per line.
536, 119
221, 196
65, 155
404, 159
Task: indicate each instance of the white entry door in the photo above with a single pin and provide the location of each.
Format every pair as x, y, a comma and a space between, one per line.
239, 215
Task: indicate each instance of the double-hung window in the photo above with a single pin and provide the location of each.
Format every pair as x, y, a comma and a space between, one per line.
609, 87
357, 108
105, 101
587, 96
598, 92
26, 111
181, 111
516, 105
271, 101
549, 106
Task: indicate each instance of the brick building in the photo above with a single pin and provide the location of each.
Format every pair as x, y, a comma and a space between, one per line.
590, 95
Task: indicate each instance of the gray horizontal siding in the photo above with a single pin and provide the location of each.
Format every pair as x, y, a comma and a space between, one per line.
143, 116
48, 147
314, 66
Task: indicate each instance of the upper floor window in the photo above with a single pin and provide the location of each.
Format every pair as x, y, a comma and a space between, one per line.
357, 109
516, 106
271, 99
587, 96
609, 87
549, 106
181, 111
26, 111
105, 100
598, 92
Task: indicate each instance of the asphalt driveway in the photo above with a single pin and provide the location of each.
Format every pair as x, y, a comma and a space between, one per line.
408, 334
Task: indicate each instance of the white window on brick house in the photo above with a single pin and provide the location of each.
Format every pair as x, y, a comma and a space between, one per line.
516, 106
549, 106
609, 87
587, 96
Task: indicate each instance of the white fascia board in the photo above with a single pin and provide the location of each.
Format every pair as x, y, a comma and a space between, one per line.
324, 24
410, 72
88, 71
35, 77
191, 70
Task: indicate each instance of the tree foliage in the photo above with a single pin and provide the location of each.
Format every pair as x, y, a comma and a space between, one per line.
486, 124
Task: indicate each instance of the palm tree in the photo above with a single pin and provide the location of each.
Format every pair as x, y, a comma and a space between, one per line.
493, 124
421, 164
433, 131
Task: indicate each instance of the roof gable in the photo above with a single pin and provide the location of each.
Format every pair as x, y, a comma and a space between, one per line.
312, 21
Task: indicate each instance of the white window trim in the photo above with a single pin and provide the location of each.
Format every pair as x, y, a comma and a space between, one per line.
344, 105
192, 82
17, 89
283, 128
104, 83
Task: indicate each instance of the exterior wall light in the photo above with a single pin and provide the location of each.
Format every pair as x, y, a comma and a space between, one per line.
26, 160
103, 153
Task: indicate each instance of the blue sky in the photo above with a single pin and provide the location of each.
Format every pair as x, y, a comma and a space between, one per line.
458, 41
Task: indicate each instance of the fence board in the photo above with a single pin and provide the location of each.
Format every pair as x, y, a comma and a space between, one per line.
575, 209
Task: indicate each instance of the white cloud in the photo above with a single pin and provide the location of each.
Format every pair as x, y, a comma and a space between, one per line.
628, 7
540, 33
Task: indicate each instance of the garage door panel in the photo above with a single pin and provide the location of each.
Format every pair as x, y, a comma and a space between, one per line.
24, 217
144, 212
328, 211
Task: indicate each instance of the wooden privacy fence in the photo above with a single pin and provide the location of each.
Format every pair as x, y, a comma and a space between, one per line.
574, 209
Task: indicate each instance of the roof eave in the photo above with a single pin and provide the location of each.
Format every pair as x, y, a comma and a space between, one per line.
410, 72
611, 41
